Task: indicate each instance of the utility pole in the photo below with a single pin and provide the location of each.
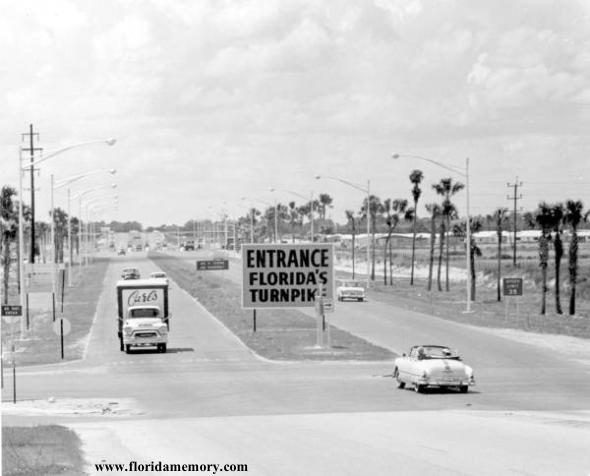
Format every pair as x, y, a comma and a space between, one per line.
32, 149
515, 198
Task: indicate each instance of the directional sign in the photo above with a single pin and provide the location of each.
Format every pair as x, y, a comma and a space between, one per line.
286, 275
11, 313
512, 286
324, 304
213, 265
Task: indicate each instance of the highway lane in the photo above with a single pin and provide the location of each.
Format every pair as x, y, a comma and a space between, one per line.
212, 394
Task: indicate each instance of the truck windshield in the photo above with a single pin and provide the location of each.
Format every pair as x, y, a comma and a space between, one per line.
144, 313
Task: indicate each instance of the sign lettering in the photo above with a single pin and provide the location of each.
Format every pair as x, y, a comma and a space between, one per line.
512, 286
286, 275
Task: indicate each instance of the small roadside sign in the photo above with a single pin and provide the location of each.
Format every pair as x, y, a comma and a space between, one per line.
213, 265
512, 286
324, 304
11, 313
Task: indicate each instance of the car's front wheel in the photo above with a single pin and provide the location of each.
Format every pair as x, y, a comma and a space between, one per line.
419, 388
400, 383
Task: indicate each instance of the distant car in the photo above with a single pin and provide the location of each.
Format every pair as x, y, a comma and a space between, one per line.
130, 273
350, 289
159, 275
121, 251
189, 245
433, 366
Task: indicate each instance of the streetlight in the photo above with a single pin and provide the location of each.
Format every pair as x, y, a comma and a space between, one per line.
305, 198
21, 169
368, 192
63, 183
276, 214
464, 174
79, 197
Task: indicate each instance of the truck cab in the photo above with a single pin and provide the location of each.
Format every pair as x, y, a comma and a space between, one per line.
144, 326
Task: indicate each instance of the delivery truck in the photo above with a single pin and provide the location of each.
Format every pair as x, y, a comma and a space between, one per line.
143, 317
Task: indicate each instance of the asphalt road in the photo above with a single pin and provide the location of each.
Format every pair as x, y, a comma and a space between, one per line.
209, 400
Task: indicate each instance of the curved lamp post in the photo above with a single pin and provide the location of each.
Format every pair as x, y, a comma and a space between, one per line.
21, 169
368, 192
62, 183
465, 174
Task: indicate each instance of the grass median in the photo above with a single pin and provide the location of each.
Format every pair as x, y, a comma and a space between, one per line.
281, 334
40, 345
41, 451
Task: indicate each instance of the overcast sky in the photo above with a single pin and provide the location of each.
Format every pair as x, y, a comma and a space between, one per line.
212, 101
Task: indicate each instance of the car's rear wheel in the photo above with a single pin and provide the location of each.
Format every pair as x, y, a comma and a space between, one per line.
463, 388
400, 383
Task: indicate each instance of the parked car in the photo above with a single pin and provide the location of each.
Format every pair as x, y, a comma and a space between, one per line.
350, 289
121, 252
159, 275
433, 366
130, 273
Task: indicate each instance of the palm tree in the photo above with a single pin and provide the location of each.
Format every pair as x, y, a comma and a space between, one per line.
446, 188
416, 178
325, 201
375, 208
499, 217
350, 218
556, 221
573, 216
395, 210
60, 223
474, 250
9, 230
435, 211
544, 218
293, 218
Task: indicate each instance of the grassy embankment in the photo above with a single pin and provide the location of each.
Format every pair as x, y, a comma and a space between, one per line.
41, 451
281, 334
488, 312
40, 345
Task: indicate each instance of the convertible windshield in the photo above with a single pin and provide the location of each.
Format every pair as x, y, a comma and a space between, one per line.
435, 352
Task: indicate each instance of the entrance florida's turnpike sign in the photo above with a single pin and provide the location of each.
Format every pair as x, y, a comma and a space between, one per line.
286, 275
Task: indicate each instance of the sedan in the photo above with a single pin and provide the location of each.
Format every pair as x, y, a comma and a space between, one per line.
433, 366
130, 273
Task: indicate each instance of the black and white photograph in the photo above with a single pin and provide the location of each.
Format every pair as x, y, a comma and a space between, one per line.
295, 237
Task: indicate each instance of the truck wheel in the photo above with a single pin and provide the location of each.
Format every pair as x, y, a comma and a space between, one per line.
127, 348
163, 348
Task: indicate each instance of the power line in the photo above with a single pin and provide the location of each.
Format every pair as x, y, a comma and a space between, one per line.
516, 197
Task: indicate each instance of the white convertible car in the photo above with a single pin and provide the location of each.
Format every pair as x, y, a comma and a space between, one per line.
432, 366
